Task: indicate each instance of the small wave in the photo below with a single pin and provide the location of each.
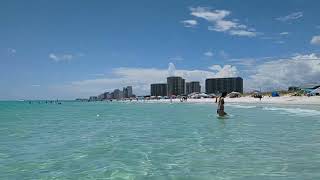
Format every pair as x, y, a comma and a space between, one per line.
295, 111
241, 106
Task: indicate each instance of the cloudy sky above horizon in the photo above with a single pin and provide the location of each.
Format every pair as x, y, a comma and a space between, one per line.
69, 49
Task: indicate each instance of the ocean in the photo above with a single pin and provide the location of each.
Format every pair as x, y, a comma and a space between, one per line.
132, 140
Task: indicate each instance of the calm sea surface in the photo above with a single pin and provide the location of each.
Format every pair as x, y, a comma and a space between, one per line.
76, 140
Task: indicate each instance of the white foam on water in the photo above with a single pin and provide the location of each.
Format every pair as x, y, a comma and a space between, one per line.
241, 106
294, 111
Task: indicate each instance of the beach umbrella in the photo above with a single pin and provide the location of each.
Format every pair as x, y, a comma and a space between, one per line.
234, 94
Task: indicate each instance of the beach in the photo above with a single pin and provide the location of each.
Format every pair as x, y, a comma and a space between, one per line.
282, 100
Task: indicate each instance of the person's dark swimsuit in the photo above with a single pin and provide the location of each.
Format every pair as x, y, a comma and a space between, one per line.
220, 109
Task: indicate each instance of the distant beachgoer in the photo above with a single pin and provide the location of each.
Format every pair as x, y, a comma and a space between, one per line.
220, 110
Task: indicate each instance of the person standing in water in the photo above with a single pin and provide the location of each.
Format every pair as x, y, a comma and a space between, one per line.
220, 110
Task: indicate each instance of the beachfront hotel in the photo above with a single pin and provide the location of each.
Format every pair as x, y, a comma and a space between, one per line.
176, 85
193, 87
117, 94
219, 85
159, 89
127, 92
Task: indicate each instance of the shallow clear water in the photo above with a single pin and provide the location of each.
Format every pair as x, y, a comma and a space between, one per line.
102, 140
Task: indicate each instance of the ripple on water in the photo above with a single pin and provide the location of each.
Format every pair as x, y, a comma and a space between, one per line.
158, 141
294, 111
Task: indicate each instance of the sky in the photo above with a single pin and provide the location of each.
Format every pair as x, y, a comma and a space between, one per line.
77, 48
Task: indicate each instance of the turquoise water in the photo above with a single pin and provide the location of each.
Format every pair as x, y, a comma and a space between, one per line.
103, 140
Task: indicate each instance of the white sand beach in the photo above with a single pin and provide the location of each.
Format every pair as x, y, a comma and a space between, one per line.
293, 100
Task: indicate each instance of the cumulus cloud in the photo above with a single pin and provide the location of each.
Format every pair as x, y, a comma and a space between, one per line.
281, 73
61, 57
220, 22
140, 79
189, 23
171, 69
315, 40
208, 53
292, 16
268, 73
224, 71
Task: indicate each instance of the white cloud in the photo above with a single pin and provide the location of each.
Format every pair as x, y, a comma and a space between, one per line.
61, 57
225, 71
189, 23
315, 40
284, 33
140, 79
243, 33
220, 23
292, 16
267, 73
35, 85
282, 73
279, 42
208, 53
12, 51
243, 61
171, 69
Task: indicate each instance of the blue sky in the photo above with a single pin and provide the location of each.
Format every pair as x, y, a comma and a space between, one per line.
69, 49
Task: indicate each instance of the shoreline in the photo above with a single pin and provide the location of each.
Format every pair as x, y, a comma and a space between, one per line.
282, 100
290, 100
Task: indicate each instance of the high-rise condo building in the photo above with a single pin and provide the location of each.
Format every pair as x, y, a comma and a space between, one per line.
117, 94
127, 92
103, 96
219, 85
160, 89
176, 85
192, 87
